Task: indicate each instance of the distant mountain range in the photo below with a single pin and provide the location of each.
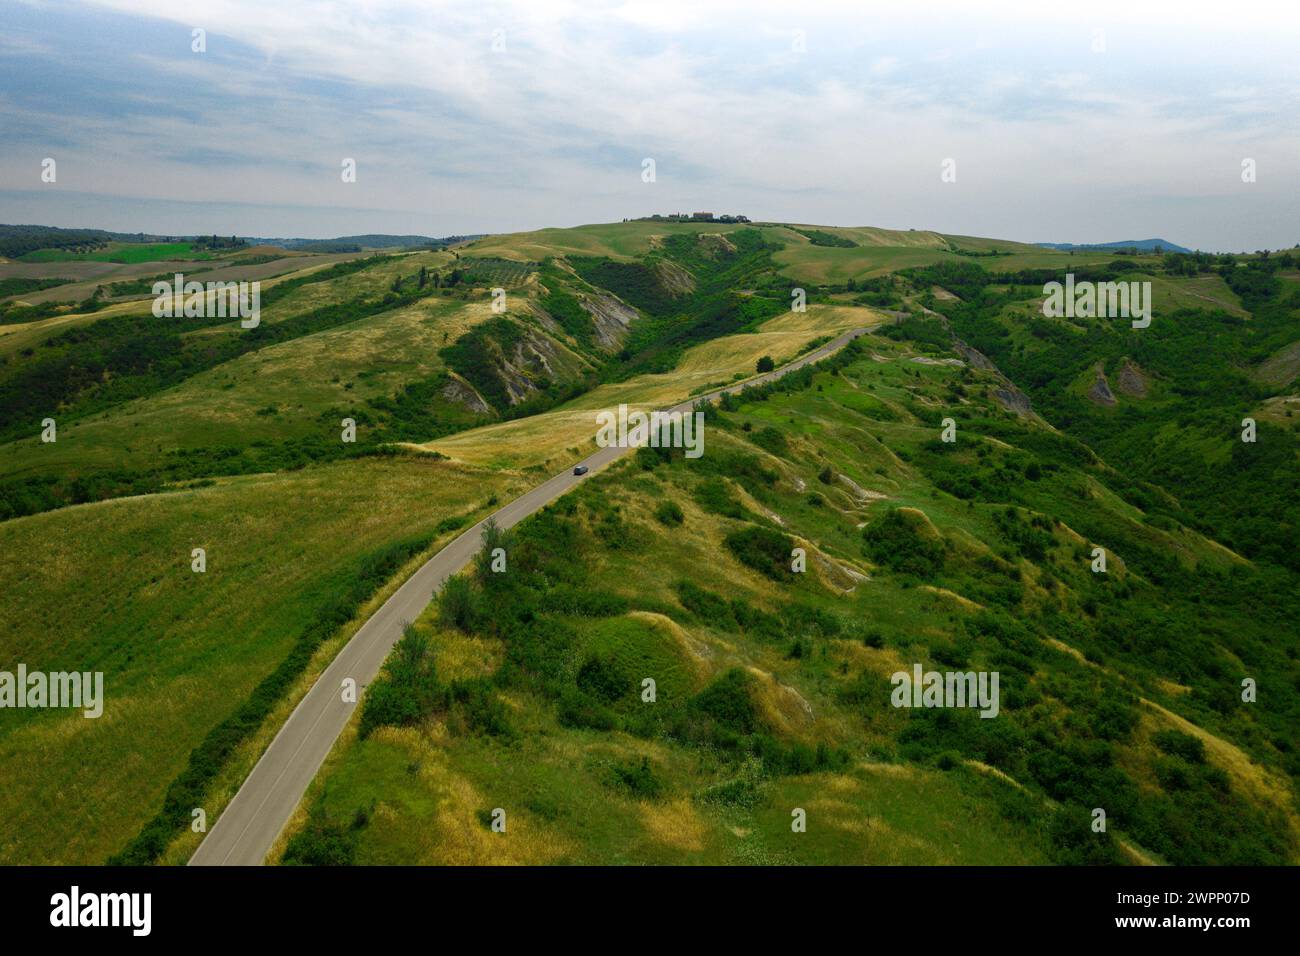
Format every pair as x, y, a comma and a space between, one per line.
357, 243
1142, 245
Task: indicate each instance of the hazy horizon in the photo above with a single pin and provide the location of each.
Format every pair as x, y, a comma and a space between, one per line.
245, 233
1063, 126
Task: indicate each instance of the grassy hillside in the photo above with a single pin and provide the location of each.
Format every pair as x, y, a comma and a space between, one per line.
293, 390
871, 251
109, 587
175, 434
546, 439
773, 686
206, 430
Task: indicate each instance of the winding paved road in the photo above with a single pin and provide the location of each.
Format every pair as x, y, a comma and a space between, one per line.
250, 824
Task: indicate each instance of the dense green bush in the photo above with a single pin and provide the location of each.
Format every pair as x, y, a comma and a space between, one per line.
727, 703
475, 703
901, 543
1178, 744
669, 513
819, 237
638, 779
579, 709
1073, 842
772, 440
713, 495
604, 679
458, 604
325, 843
766, 550
407, 691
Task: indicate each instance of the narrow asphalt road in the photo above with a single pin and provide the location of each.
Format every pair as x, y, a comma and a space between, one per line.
253, 820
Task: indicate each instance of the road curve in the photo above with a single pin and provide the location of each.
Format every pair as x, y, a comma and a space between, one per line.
250, 824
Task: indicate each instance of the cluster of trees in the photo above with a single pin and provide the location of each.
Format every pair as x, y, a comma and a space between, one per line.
475, 356
215, 243
978, 254
1194, 355
12, 313
16, 241
820, 238
633, 282
881, 292
22, 285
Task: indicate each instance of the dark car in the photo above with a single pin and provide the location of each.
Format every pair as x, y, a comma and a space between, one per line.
579, 469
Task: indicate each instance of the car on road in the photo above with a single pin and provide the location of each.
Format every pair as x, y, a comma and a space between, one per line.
579, 469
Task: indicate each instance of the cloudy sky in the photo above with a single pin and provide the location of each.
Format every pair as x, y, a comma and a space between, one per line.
1103, 122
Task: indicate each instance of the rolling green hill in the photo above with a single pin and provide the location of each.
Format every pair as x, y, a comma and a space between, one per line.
774, 686
472, 373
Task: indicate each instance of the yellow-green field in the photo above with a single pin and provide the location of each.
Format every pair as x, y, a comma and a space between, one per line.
878, 251
109, 587
276, 393
545, 438
371, 282
618, 240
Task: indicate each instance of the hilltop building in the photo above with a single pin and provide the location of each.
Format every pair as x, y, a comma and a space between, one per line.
692, 217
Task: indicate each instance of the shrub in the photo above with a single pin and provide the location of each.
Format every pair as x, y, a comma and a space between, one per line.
904, 544
639, 779
713, 495
763, 549
1074, 843
407, 691
669, 513
1178, 744
705, 605
809, 620
458, 604
494, 537
602, 678
322, 843
579, 709
769, 439
476, 703
1173, 773
727, 703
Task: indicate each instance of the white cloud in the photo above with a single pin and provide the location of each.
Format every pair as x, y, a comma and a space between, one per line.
552, 130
